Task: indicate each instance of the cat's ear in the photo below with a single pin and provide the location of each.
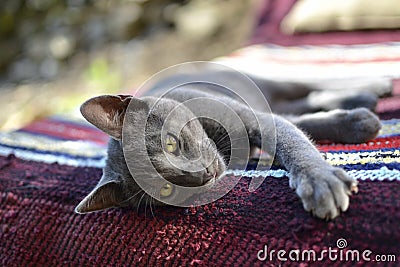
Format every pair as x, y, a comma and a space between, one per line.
104, 196
107, 112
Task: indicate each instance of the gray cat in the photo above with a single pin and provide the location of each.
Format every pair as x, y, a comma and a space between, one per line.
324, 190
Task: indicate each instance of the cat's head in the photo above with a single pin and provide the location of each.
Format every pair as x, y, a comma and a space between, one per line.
175, 143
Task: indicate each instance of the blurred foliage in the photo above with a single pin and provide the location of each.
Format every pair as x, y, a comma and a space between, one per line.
54, 54
99, 74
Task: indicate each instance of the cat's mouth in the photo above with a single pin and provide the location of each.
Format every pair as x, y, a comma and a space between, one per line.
213, 172
210, 179
191, 181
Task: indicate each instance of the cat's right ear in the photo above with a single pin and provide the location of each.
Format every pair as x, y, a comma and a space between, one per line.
107, 112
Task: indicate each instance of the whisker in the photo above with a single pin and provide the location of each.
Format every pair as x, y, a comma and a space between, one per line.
220, 138
140, 200
226, 134
241, 138
128, 199
151, 209
233, 148
145, 208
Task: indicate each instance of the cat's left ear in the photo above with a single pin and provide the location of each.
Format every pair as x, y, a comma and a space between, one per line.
107, 112
104, 196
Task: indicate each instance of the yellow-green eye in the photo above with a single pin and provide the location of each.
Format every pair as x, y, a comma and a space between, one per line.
171, 144
166, 190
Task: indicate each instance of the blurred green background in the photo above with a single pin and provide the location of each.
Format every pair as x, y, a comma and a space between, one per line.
54, 54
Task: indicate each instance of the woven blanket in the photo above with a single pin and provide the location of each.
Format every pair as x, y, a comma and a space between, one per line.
271, 13
318, 63
47, 167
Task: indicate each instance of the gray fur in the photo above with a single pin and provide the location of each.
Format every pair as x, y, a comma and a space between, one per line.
323, 189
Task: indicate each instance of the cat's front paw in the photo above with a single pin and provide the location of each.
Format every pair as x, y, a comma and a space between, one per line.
324, 191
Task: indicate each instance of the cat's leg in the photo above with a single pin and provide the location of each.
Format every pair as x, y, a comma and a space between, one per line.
302, 97
345, 126
380, 86
285, 97
323, 189
325, 101
278, 90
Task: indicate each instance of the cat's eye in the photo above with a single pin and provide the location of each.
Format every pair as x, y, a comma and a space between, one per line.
166, 190
171, 144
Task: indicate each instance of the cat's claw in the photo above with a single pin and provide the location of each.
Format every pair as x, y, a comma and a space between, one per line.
324, 191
